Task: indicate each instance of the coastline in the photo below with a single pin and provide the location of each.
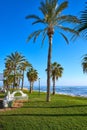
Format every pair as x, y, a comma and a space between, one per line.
80, 91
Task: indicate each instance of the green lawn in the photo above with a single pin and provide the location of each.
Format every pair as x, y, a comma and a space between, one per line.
62, 113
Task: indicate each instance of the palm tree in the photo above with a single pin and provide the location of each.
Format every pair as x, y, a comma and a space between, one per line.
52, 19
8, 78
7, 72
15, 59
24, 65
82, 27
56, 72
84, 64
32, 76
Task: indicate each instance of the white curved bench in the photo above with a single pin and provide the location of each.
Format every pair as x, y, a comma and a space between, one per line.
12, 97
23, 95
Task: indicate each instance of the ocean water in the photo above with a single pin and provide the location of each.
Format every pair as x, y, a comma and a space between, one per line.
67, 90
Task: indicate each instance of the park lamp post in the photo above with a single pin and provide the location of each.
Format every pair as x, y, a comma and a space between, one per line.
39, 85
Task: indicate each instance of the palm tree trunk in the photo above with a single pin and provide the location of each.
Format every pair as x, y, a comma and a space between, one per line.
7, 85
49, 67
30, 87
14, 79
54, 86
22, 80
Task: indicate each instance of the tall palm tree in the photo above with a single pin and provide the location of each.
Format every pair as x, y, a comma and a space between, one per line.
15, 59
24, 65
56, 73
84, 63
52, 19
32, 76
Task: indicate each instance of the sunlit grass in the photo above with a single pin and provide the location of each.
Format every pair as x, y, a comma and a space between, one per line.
62, 113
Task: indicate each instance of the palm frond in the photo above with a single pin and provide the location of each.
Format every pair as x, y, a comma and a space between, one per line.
65, 38
82, 27
82, 30
43, 38
32, 17
39, 21
37, 18
69, 30
42, 8
61, 8
84, 58
68, 18
84, 65
34, 35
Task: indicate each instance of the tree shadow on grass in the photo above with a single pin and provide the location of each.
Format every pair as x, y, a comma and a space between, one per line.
48, 115
71, 106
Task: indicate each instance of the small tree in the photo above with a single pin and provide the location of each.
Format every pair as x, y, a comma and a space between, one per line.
12, 64
23, 66
56, 73
32, 76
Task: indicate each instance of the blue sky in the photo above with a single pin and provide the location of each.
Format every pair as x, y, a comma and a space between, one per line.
14, 30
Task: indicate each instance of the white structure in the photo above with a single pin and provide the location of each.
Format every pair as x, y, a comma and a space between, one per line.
11, 97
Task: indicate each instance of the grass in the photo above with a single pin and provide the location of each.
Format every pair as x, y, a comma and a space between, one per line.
62, 113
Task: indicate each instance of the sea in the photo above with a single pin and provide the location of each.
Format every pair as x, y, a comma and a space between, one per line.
66, 90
